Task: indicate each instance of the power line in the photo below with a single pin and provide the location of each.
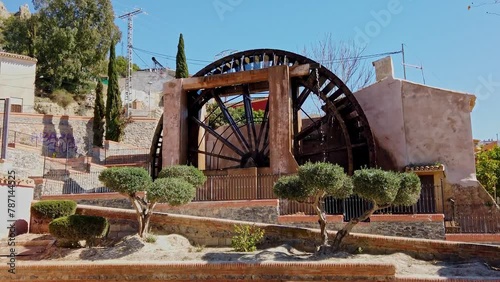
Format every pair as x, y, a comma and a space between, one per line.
169, 57
364, 57
146, 64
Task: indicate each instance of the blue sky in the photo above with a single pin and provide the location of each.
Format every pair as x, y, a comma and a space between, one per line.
458, 48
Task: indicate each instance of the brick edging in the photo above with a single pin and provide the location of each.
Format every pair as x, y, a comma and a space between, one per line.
308, 218
165, 270
478, 238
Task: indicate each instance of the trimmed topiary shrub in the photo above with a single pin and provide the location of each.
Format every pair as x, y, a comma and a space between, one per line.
174, 191
52, 209
175, 186
189, 173
316, 181
77, 227
126, 180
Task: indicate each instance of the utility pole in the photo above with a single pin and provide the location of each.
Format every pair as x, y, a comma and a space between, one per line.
128, 82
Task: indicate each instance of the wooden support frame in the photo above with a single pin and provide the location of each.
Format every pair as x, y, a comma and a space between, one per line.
236, 78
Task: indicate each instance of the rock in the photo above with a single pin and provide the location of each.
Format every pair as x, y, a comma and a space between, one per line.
3, 11
24, 12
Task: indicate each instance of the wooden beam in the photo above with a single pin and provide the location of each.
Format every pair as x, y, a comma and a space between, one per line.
236, 78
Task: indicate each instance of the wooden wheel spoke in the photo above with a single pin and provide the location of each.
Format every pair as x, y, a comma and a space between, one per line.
239, 136
264, 124
218, 136
311, 128
252, 140
331, 150
216, 155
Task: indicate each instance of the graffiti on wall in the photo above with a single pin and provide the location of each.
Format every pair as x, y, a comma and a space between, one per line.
57, 146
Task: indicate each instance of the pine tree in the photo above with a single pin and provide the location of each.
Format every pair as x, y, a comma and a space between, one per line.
98, 125
181, 68
114, 110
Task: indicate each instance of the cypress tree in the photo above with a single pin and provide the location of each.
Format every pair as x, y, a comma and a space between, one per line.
99, 110
114, 109
181, 67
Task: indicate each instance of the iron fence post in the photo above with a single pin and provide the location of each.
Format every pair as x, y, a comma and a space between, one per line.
211, 188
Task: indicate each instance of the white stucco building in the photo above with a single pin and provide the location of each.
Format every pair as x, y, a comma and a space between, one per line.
17, 81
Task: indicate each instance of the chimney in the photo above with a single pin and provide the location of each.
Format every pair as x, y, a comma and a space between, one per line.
383, 68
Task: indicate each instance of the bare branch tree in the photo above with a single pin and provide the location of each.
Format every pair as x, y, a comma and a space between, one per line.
343, 58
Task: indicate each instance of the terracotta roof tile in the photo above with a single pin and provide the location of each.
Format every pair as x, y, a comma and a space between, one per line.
17, 56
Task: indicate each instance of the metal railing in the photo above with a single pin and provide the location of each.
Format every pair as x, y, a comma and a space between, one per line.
355, 206
60, 182
237, 187
475, 224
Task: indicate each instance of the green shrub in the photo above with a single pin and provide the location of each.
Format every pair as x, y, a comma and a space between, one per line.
325, 177
174, 191
376, 185
150, 238
188, 173
126, 180
75, 228
409, 191
246, 238
290, 187
53, 209
62, 97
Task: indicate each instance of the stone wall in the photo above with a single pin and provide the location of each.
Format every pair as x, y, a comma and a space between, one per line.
265, 211
411, 226
72, 135
26, 163
218, 232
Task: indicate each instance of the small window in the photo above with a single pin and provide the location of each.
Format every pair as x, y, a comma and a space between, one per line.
16, 108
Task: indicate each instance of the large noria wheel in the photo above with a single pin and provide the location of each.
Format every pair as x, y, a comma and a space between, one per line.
230, 126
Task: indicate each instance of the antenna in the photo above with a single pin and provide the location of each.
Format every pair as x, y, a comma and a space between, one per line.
128, 84
404, 63
417, 67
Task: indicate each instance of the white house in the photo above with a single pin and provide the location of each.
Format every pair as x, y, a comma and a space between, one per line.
17, 81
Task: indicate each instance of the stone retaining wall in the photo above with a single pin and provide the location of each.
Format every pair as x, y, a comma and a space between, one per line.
425, 226
75, 132
218, 232
267, 211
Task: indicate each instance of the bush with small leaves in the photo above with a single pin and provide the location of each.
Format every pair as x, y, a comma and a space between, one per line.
125, 180
52, 209
314, 182
189, 173
409, 190
376, 185
383, 189
325, 177
175, 186
174, 191
291, 188
75, 228
246, 238
150, 238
